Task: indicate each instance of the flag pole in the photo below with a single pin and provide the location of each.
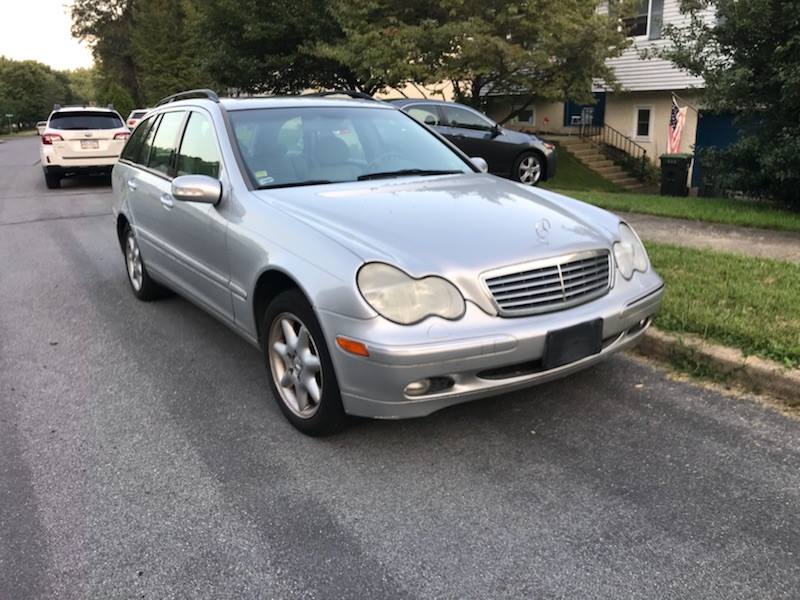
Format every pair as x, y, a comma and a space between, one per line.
676, 97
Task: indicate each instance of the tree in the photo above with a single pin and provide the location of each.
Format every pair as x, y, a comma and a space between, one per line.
256, 46
749, 57
28, 90
544, 49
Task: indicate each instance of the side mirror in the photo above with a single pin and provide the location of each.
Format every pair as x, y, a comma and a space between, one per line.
482, 165
496, 130
197, 188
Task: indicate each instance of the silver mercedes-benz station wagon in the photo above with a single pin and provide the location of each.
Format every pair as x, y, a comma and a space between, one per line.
381, 272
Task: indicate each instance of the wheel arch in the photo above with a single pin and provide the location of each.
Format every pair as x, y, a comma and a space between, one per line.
122, 223
271, 282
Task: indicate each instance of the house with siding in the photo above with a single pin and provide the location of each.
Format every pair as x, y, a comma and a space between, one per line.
641, 108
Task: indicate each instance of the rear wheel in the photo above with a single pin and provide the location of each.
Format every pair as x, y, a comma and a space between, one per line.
528, 168
144, 288
301, 378
52, 180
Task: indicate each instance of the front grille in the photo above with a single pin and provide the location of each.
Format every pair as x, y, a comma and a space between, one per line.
550, 284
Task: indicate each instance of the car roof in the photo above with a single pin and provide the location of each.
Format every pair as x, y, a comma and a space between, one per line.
406, 101
253, 102
85, 108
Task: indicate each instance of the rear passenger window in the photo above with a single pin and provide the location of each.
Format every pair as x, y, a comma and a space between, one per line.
165, 141
199, 154
143, 154
131, 150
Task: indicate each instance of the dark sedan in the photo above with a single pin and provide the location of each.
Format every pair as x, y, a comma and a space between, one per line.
519, 156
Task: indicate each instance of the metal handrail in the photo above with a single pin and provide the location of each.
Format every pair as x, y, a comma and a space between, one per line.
606, 136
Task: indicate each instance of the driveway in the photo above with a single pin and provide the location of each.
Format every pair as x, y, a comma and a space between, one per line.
142, 457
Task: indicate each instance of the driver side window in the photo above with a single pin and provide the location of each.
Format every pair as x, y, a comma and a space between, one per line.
461, 117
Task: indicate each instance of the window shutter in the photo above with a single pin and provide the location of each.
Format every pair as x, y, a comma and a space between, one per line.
656, 19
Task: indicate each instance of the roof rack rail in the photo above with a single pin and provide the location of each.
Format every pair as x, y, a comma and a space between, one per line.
201, 93
351, 93
56, 106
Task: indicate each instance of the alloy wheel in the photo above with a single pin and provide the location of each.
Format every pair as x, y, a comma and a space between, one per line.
529, 171
295, 365
133, 259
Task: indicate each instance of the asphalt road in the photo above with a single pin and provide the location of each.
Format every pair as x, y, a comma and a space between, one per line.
141, 456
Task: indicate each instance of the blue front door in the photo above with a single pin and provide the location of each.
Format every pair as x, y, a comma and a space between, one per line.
596, 112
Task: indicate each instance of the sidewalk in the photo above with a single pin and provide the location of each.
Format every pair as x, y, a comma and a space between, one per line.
760, 243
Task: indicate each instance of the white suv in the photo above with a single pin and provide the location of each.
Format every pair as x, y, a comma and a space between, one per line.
81, 140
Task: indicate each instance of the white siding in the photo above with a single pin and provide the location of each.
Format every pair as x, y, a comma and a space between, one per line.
636, 74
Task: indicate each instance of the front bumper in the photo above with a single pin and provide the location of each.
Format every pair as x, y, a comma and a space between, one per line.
481, 355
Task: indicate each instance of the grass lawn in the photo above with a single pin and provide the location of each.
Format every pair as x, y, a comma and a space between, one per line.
715, 210
572, 174
749, 303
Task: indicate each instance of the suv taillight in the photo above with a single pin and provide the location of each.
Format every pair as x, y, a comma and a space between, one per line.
49, 138
122, 135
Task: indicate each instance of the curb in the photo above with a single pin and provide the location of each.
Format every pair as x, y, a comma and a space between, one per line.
753, 373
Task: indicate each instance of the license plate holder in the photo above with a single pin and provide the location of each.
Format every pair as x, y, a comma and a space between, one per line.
564, 346
89, 145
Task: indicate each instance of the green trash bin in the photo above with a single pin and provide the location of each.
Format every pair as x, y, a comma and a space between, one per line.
675, 174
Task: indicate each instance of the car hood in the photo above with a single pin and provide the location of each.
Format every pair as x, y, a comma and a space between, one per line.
446, 224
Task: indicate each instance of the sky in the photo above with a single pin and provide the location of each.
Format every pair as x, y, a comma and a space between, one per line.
39, 30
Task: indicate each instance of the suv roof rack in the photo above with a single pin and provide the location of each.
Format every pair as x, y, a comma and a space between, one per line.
201, 93
351, 93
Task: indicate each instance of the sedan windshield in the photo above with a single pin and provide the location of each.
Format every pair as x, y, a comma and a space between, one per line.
296, 146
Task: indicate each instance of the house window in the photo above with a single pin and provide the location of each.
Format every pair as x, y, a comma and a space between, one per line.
525, 116
636, 13
643, 120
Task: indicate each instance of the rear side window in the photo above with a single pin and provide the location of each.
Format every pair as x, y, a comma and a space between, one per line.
84, 119
165, 141
131, 150
425, 114
199, 154
138, 114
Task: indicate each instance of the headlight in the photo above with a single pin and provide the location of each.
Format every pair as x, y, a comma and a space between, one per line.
403, 299
629, 252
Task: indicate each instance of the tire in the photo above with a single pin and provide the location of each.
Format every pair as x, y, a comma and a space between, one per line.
142, 285
296, 360
52, 181
528, 168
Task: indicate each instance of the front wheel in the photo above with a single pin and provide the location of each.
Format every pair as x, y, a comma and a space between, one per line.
528, 168
301, 372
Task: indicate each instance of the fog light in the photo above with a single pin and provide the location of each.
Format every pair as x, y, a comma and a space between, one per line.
417, 388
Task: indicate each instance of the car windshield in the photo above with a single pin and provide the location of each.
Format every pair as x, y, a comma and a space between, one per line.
85, 120
311, 145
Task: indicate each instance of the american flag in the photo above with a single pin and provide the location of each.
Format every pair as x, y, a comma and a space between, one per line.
677, 118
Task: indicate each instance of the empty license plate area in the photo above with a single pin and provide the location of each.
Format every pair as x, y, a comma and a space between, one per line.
564, 346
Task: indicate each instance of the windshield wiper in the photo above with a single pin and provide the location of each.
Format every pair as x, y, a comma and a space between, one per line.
387, 174
270, 186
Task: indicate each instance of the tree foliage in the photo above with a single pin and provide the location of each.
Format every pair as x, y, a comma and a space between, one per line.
28, 90
537, 48
749, 55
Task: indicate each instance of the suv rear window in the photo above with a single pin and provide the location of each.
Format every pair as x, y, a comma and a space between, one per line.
138, 114
84, 119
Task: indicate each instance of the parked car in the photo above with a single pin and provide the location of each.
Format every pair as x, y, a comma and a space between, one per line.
380, 272
136, 116
81, 140
520, 156
40, 127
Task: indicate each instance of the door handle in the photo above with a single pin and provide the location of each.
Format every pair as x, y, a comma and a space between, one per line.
132, 185
166, 201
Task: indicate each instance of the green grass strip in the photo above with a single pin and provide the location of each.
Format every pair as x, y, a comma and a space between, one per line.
749, 303
714, 210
